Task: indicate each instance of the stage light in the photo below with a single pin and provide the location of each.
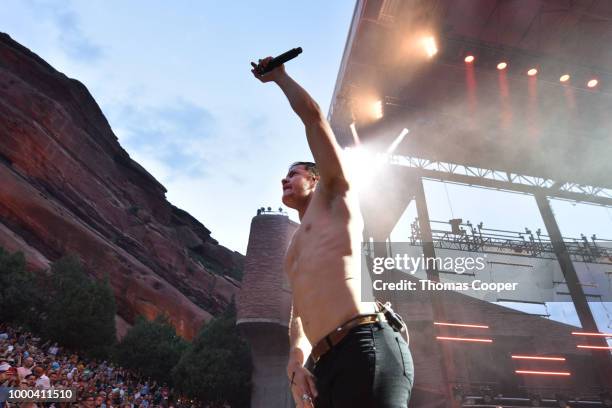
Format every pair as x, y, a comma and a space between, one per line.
377, 109
592, 83
594, 347
564, 78
532, 72
592, 334
475, 326
531, 372
538, 358
469, 59
464, 339
502, 65
429, 43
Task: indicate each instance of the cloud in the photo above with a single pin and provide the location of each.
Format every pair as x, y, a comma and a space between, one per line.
166, 135
72, 40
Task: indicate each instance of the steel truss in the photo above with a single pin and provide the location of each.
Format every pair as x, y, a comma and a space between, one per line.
502, 180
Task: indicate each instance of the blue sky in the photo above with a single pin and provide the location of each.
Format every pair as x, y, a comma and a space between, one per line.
175, 84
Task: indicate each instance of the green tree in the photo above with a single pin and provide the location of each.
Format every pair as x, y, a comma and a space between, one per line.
80, 311
151, 348
20, 299
216, 369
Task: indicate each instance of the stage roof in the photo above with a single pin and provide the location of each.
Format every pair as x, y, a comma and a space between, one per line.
474, 114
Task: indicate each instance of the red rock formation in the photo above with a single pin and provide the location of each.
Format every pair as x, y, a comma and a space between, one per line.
67, 186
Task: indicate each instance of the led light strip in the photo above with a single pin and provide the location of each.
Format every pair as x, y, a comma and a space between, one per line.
464, 339
474, 326
592, 334
594, 347
565, 373
538, 358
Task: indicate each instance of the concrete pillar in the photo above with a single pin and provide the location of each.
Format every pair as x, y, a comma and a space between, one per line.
264, 306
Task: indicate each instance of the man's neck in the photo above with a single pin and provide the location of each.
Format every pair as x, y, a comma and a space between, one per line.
302, 210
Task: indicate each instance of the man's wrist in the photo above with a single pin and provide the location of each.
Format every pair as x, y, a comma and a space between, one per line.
292, 366
281, 79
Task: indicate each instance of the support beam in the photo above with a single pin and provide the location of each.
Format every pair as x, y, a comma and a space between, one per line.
439, 313
602, 360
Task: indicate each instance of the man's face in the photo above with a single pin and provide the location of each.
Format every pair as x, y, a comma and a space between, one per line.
298, 184
29, 362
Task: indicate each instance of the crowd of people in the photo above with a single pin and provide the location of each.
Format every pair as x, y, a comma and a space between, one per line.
28, 363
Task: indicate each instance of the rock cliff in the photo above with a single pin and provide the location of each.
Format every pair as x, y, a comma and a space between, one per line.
67, 186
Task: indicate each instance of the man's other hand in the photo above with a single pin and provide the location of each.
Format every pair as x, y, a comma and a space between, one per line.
270, 76
303, 383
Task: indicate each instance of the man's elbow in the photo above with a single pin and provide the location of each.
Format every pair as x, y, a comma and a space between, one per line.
311, 114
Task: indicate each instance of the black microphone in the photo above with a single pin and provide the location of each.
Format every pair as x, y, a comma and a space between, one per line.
280, 60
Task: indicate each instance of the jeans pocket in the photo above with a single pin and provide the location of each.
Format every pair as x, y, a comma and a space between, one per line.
406, 357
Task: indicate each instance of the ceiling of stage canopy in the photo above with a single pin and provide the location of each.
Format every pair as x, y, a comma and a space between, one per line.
405, 66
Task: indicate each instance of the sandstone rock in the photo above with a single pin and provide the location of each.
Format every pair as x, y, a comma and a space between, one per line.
67, 186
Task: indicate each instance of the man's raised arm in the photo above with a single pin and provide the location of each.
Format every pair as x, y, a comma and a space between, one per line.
321, 139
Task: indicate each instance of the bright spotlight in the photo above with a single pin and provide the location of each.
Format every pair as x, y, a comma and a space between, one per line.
469, 59
430, 46
502, 65
377, 109
564, 78
592, 83
532, 72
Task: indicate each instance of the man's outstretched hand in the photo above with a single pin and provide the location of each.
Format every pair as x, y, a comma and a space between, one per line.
273, 75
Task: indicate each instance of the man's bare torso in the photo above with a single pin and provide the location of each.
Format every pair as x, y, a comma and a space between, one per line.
323, 265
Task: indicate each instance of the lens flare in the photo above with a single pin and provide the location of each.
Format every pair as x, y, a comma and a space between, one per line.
532, 72
469, 59
377, 109
431, 49
592, 83
502, 65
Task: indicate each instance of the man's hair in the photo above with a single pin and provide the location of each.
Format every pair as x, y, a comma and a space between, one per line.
310, 166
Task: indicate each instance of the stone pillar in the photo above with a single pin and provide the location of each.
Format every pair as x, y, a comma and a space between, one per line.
264, 306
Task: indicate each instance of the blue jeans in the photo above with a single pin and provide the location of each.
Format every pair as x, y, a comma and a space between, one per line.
370, 368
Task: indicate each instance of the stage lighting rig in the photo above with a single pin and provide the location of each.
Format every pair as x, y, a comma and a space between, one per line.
456, 226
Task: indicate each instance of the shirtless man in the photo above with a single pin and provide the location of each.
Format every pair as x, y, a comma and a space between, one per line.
356, 358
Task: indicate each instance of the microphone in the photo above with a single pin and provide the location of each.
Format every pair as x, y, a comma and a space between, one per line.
280, 60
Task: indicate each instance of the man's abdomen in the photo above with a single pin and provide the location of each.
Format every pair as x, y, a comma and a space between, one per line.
327, 295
